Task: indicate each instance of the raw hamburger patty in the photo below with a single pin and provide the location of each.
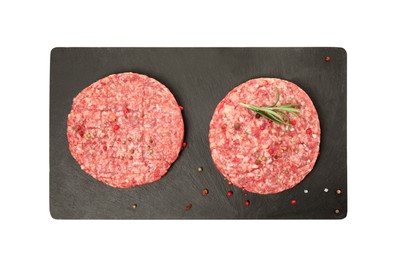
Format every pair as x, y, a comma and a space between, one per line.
257, 154
125, 130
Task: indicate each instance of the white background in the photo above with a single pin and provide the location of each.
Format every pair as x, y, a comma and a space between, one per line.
30, 29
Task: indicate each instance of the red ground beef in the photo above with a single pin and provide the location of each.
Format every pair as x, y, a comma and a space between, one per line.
257, 154
125, 130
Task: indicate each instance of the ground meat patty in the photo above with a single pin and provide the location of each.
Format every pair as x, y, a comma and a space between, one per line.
125, 130
257, 154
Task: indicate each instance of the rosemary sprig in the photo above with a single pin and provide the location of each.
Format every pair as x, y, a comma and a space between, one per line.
275, 113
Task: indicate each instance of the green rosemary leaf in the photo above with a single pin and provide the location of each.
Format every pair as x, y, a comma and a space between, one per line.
276, 113
277, 98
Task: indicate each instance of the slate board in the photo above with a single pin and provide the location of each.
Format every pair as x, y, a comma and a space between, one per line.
199, 78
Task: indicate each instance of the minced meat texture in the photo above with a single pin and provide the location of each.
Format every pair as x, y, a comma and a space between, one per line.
125, 130
257, 154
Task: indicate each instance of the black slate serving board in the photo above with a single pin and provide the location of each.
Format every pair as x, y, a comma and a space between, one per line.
199, 78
